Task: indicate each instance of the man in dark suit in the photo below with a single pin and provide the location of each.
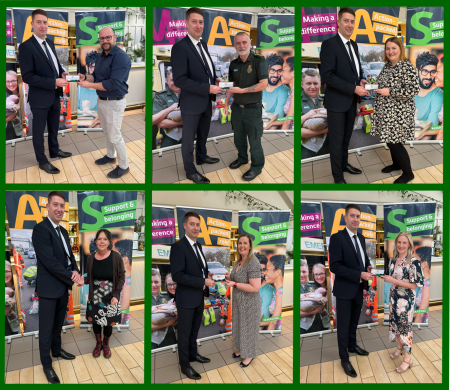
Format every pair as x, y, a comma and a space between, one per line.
351, 266
342, 73
194, 73
57, 271
190, 272
41, 70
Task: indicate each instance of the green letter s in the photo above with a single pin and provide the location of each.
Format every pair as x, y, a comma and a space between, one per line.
86, 206
391, 219
88, 30
415, 23
270, 33
247, 229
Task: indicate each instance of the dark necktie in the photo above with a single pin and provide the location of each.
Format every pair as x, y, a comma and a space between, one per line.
211, 78
51, 60
358, 252
199, 257
352, 60
58, 230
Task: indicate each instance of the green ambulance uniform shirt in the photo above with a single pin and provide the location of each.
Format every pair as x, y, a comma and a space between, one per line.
159, 300
309, 287
162, 100
308, 104
248, 73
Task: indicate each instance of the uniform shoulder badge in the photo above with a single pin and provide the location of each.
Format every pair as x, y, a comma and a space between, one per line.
249, 69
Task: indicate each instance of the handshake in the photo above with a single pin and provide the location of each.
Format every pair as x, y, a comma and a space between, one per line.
77, 278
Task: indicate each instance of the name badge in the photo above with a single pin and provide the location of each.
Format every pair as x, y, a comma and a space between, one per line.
306, 107
169, 101
235, 70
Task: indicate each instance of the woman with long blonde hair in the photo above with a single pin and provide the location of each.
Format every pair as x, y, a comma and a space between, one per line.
245, 279
405, 275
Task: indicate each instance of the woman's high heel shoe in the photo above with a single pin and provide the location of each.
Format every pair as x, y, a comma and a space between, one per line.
236, 356
242, 365
401, 370
396, 354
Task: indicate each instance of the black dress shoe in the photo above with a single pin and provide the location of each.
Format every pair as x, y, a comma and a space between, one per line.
404, 178
200, 359
390, 168
61, 154
358, 351
208, 160
340, 181
51, 376
236, 164
191, 373
352, 170
250, 175
49, 168
197, 178
64, 355
349, 370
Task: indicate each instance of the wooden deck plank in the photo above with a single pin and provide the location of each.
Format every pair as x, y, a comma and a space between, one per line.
281, 364
214, 376
213, 177
126, 357
326, 372
136, 149
39, 376
119, 365
425, 176
88, 179
285, 160
138, 373
137, 356
137, 174
80, 165
355, 365
26, 375
113, 378
338, 372
94, 369
80, 369
289, 154
378, 369
12, 377
20, 176
61, 176
225, 176
33, 174
71, 171
67, 371
10, 177
313, 373
436, 174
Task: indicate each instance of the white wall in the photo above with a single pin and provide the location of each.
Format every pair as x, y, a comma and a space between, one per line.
216, 200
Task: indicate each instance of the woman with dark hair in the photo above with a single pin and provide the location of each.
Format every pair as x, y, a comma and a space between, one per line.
275, 276
287, 77
266, 291
245, 278
125, 249
423, 253
171, 286
13, 118
105, 275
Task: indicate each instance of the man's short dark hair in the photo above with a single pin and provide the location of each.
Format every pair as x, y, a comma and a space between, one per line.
191, 214
91, 58
38, 12
55, 193
345, 10
194, 10
352, 206
274, 59
425, 59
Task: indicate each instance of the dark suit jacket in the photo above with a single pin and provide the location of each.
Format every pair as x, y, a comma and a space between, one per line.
53, 277
187, 272
336, 72
191, 76
38, 73
344, 264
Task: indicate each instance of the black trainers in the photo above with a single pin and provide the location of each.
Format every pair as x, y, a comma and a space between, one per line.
117, 172
105, 160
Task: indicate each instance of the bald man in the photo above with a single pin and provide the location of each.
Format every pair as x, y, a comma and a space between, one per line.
109, 78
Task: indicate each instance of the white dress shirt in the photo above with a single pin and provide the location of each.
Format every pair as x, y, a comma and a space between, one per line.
199, 251
62, 239
351, 234
353, 52
40, 41
210, 65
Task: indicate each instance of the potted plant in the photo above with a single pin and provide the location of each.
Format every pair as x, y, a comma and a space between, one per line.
138, 54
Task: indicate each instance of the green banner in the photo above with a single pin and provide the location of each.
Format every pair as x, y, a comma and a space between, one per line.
114, 25
274, 227
114, 208
420, 218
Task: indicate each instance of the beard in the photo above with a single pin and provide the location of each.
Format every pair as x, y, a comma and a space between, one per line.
426, 86
277, 80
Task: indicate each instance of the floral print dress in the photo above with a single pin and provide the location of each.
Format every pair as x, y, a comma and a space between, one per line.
402, 300
393, 117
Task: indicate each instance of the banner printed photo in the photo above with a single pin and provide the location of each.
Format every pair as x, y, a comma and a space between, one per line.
88, 26
220, 27
311, 227
163, 225
419, 220
25, 209
314, 306
318, 24
215, 239
58, 32
12, 322
276, 42
269, 231
14, 128
425, 41
9, 28
333, 217
115, 211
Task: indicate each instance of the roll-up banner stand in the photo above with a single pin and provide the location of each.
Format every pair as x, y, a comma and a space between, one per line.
88, 25
163, 288
12, 298
269, 231
419, 220
333, 217
58, 32
314, 297
169, 27
14, 127
25, 209
115, 211
425, 50
276, 42
311, 228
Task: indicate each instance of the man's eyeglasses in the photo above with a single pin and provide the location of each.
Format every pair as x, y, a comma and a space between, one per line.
424, 72
11, 82
321, 274
271, 70
108, 38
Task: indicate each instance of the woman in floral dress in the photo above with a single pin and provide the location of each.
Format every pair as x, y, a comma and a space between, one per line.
393, 118
405, 274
